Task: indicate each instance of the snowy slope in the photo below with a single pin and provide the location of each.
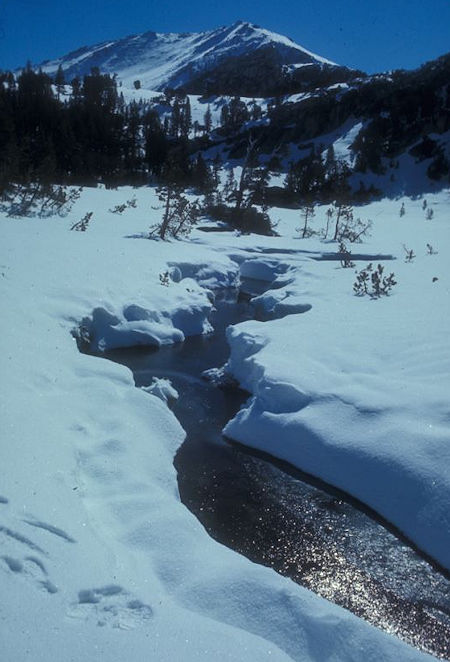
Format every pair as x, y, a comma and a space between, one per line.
99, 558
161, 60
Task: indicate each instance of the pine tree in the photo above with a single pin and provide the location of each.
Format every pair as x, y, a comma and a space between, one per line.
202, 176
186, 122
207, 121
256, 111
244, 194
60, 81
155, 142
230, 186
216, 166
224, 116
76, 88
176, 119
330, 160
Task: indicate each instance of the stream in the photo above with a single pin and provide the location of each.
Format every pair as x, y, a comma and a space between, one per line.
280, 517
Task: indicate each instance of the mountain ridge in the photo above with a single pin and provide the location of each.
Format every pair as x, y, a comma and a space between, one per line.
160, 60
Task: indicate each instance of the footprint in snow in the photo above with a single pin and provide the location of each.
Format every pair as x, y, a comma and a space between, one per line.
49, 528
111, 606
22, 557
32, 569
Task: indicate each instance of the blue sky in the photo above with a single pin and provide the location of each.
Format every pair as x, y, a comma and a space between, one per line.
373, 36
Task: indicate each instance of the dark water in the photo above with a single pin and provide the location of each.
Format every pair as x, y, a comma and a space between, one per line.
279, 517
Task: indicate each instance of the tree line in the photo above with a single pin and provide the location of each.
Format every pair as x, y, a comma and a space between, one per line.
85, 132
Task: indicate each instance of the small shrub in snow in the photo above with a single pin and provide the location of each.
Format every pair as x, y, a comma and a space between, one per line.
381, 285
82, 225
371, 282
354, 229
346, 256
430, 250
402, 210
409, 254
362, 284
38, 199
119, 209
164, 278
179, 214
347, 227
424, 204
429, 214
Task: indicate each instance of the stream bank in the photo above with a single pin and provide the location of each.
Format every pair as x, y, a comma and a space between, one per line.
310, 533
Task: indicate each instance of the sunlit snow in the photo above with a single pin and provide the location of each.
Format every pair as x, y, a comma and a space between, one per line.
99, 557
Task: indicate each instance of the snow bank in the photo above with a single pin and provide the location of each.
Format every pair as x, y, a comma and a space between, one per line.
186, 315
100, 560
213, 275
261, 268
355, 390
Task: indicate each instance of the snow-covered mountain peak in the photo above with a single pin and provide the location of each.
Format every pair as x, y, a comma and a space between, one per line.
161, 60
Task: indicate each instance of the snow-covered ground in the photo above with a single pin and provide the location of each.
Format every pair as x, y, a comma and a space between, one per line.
99, 558
356, 390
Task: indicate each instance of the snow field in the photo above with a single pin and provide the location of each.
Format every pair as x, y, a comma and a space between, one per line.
355, 391
99, 558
